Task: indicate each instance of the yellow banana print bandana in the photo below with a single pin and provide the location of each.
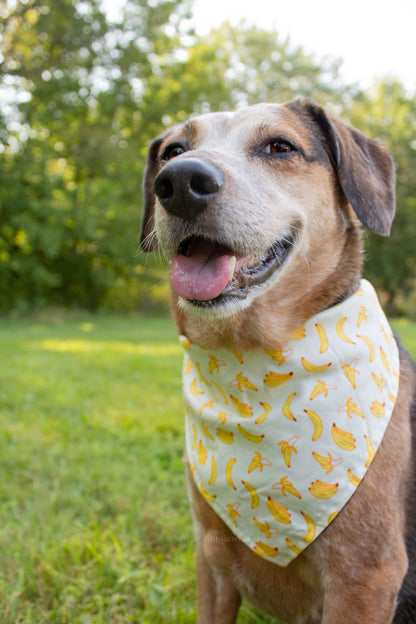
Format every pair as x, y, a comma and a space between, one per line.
278, 441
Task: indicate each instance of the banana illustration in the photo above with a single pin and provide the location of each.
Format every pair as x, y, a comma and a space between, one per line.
350, 372
239, 356
222, 417
332, 516
193, 389
262, 549
378, 379
213, 475
286, 407
370, 451
279, 356
252, 437
228, 472
188, 366
226, 437
206, 431
265, 528
259, 462
242, 382
214, 364
377, 409
343, 439
384, 360
340, 331
202, 379
287, 448
233, 512
370, 345
323, 490
186, 343
209, 497
351, 408
286, 487
299, 334
267, 409
202, 453
314, 368
310, 528
351, 476
243, 409
253, 493
321, 388
273, 380
195, 432
362, 316
209, 403
327, 463
322, 337
224, 396
280, 513
293, 546
317, 424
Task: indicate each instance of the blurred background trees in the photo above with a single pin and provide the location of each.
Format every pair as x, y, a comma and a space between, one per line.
80, 98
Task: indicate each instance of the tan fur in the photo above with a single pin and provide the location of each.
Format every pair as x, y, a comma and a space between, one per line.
352, 573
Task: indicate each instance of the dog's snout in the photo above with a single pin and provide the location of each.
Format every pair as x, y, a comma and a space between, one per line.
185, 187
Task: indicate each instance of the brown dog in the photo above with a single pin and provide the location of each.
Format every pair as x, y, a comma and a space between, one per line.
258, 214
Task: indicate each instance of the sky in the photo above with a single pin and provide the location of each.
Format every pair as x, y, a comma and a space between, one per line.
373, 38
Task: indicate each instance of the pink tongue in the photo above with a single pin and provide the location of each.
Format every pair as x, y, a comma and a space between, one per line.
202, 275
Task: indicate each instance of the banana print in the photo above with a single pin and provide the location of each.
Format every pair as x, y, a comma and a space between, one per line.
351, 408
228, 472
320, 489
267, 409
273, 380
259, 462
340, 331
321, 388
286, 406
324, 344
286, 487
317, 424
344, 439
249, 418
310, 528
253, 493
242, 382
314, 368
244, 410
327, 463
287, 449
265, 528
213, 475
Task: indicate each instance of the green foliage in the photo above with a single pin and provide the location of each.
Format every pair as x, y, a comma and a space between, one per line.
84, 97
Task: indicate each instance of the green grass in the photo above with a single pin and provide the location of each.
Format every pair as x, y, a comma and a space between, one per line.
94, 520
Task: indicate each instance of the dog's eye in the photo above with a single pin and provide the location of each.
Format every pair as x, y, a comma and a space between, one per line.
279, 146
171, 151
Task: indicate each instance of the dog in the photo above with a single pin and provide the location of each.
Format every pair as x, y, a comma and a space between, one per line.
259, 214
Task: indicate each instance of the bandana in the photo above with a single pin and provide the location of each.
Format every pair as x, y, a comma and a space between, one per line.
278, 441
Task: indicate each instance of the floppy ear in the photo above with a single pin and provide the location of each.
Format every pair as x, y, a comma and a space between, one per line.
364, 168
148, 240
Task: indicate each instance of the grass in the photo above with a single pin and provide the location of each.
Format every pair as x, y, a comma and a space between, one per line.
94, 520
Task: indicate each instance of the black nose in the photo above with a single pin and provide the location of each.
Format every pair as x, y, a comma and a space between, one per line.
185, 187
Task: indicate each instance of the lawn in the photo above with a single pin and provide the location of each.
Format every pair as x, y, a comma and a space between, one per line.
94, 520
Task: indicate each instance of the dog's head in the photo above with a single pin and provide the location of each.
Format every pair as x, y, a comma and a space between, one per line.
257, 213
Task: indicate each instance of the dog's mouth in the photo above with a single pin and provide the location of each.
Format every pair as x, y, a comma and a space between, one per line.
209, 273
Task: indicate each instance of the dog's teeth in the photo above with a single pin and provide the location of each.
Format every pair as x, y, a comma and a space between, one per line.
233, 261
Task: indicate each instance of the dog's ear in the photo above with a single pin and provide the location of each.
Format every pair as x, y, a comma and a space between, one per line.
148, 241
364, 168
